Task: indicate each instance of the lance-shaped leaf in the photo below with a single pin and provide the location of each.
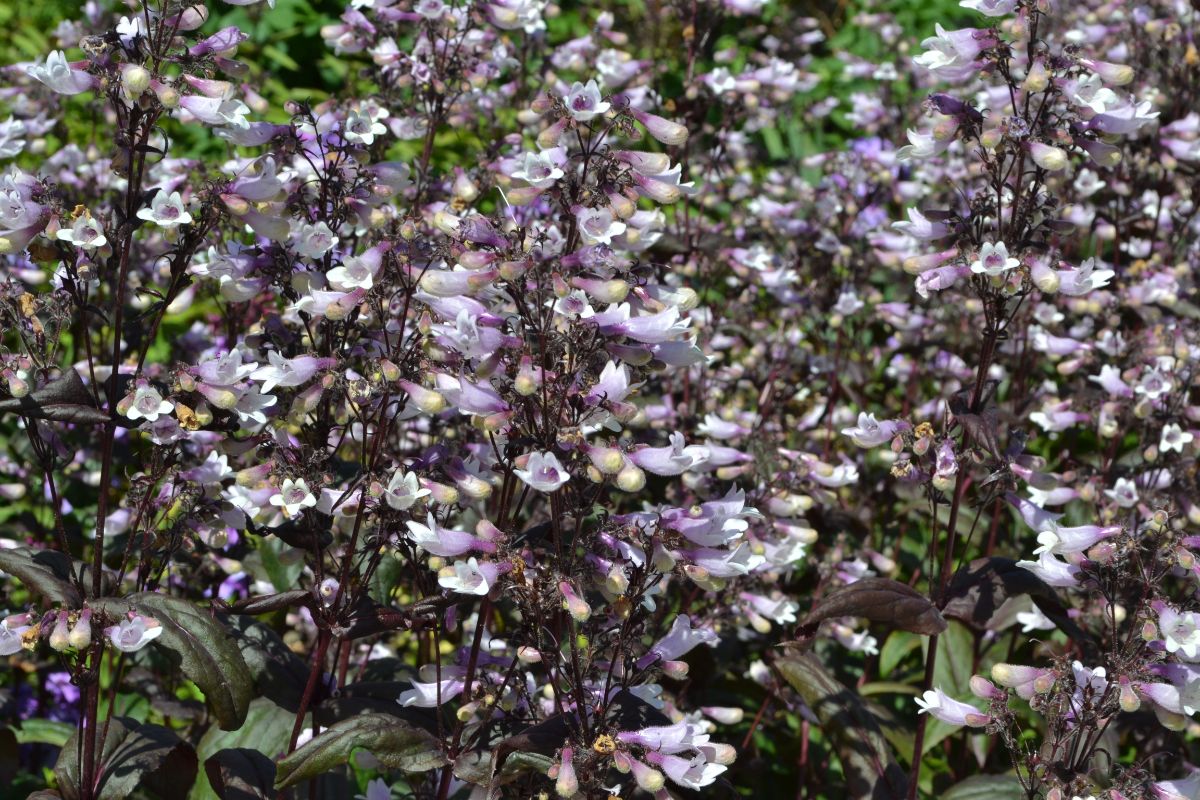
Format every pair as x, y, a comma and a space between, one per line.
202, 647
64, 399
46, 573
278, 673
866, 758
241, 773
396, 743
134, 756
976, 593
267, 730
986, 787
881, 600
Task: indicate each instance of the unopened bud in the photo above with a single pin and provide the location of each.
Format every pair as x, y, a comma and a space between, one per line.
631, 478
81, 635
135, 80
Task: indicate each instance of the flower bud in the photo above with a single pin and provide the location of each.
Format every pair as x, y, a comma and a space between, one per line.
389, 370
566, 785
703, 578
665, 131
675, 670
726, 715
17, 386
549, 137
427, 400
616, 581
648, 779
631, 478
990, 138
1037, 78
578, 608
1048, 157
608, 460
440, 492
60, 636
1044, 278
1128, 698
81, 635
167, 95
1103, 154
984, 689
327, 592
134, 80
1112, 74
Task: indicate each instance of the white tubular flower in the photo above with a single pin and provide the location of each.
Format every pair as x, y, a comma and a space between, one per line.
543, 472
293, 497
84, 232
59, 75
145, 403
166, 210
583, 101
937, 704
994, 260
403, 490
133, 633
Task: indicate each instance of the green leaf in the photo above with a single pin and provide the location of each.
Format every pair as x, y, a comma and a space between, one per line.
134, 756
986, 787
278, 56
887, 687
46, 573
866, 758
43, 731
275, 562
390, 739
204, 649
267, 730
952, 674
895, 648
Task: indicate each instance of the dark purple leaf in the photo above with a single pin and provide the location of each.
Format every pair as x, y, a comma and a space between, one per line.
881, 600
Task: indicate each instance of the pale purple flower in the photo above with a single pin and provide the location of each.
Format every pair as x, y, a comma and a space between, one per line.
679, 641
1052, 571
1124, 493
584, 102
84, 232
429, 694
403, 490
994, 260
919, 226
937, 704
543, 472
133, 633
11, 630
990, 8
1180, 631
166, 210
598, 225
1174, 438
288, 372
439, 541
871, 433
1064, 540
293, 497
469, 577
675, 459
313, 240
59, 75
146, 403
